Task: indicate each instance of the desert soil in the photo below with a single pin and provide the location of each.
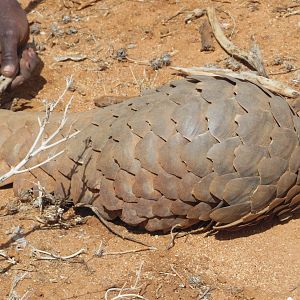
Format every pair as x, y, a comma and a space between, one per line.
262, 262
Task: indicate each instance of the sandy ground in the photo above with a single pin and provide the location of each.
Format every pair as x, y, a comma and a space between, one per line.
262, 262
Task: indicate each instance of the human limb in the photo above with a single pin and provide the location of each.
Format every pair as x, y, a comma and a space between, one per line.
14, 34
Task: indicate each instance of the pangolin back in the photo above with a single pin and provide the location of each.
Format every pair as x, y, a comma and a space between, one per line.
197, 150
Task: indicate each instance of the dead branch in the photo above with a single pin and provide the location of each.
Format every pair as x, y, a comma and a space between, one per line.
87, 4
223, 2
252, 59
131, 295
9, 259
195, 14
173, 236
12, 293
183, 284
270, 84
208, 289
100, 252
292, 13
40, 144
285, 72
36, 253
179, 12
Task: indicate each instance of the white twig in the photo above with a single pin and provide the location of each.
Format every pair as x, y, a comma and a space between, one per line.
270, 84
130, 295
40, 144
138, 276
16, 171
179, 276
9, 259
204, 293
12, 294
50, 256
254, 61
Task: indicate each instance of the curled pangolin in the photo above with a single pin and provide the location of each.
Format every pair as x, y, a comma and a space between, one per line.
196, 150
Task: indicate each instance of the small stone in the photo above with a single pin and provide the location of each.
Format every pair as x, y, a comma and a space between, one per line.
40, 47
289, 67
35, 29
166, 59
131, 46
156, 63
55, 31
66, 19
121, 54
79, 220
71, 30
278, 61
195, 281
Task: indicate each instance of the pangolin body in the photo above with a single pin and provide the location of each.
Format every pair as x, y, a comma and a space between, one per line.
200, 149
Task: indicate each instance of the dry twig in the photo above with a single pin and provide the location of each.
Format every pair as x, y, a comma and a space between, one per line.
131, 294
173, 236
87, 4
9, 259
195, 14
179, 12
222, 1
183, 284
40, 144
272, 85
285, 72
101, 251
292, 13
253, 59
12, 293
208, 289
36, 253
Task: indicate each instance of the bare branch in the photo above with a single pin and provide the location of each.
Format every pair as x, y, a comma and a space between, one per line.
173, 236
130, 295
253, 59
50, 256
40, 145
40, 164
100, 252
12, 294
270, 84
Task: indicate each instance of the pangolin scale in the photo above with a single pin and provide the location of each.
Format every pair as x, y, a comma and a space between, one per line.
197, 150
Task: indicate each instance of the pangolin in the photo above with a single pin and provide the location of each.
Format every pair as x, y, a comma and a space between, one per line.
198, 150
